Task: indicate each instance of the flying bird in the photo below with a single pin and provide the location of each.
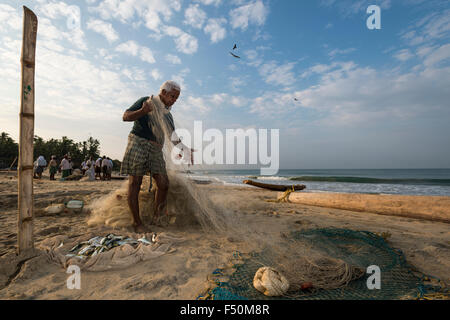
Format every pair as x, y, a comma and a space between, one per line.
295, 99
234, 46
234, 55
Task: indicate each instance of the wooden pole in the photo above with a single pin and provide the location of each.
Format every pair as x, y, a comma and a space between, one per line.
25, 219
434, 208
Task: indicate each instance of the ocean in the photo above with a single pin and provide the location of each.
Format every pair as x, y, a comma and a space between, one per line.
370, 181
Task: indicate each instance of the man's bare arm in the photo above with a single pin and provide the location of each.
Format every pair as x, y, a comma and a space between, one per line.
135, 115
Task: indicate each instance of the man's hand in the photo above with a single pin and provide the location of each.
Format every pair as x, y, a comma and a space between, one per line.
180, 155
147, 106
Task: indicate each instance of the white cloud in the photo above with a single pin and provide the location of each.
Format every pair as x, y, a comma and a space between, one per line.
104, 28
195, 104
236, 83
71, 14
215, 29
209, 2
352, 7
194, 16
156, 74
152, 21
238, 101
146, 55
134, 74
173, 59
134, 49
253, 58
439, 55
336, 52
252, 13
272, 104
179, 78
434, 26
184, 42
9, 18
153, 12
403, 55
349, 94
278, 74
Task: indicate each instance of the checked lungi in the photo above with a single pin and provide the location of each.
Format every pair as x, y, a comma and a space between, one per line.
142, 157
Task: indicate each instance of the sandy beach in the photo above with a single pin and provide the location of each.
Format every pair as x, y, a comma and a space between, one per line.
182, 272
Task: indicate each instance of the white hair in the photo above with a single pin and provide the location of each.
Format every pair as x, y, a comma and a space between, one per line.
170, 86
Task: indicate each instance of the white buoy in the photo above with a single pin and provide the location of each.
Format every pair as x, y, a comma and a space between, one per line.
270, 282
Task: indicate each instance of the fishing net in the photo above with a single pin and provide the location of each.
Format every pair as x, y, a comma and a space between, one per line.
333, 261
186, 204
113, 211
342, 277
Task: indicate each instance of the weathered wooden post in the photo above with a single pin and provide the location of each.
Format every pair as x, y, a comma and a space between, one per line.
25, 219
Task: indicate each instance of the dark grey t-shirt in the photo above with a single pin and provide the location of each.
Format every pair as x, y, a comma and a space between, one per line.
141, 126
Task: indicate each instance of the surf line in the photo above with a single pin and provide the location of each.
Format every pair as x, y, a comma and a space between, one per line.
197, 310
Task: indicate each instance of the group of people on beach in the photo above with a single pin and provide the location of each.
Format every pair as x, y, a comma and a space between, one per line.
95, 169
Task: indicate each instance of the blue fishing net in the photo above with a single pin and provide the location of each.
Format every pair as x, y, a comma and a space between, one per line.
359, 248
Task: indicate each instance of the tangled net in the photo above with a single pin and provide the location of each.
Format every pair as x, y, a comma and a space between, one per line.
189, 205
113, 210
305, 267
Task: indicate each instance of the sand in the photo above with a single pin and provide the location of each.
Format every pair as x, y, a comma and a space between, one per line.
182, 274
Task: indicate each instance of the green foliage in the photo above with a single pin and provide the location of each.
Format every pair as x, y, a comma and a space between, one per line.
78, 151
9, 150
116, 165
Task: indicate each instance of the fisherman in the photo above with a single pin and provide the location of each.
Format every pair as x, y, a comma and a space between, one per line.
53, 167
84, 166
110, 166
70, 165
40, 165
152, 120
98, 168
105, 164
65, 166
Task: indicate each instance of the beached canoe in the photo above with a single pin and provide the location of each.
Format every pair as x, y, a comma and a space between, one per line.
274, 187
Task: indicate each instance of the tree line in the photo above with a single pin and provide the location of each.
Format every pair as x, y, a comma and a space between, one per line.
78, 151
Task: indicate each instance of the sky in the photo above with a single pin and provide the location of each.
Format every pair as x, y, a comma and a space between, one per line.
341, 94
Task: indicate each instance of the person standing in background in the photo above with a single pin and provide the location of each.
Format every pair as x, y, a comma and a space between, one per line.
110, 167
70, 165
98, 168
104, 168
53, 167
84, 167
65, 166
41, 163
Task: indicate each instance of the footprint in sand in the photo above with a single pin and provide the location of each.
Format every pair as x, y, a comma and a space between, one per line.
48, 231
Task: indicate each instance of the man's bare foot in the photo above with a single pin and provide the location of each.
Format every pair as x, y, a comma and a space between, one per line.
155, 219
140, 228
161, 220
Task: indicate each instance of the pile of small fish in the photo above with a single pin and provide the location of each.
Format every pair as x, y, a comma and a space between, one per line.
97, 245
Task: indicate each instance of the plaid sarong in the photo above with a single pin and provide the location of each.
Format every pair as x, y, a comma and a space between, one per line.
142, 157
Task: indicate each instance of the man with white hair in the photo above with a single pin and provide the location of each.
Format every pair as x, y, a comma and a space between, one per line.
152, 122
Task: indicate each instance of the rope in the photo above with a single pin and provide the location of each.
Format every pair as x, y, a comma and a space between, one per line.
284, 197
